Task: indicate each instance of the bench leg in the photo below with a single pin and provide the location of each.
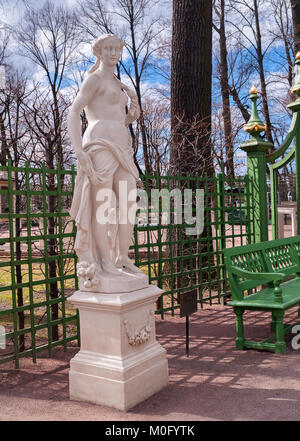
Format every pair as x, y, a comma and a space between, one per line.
273, 323
239, 342
280, 346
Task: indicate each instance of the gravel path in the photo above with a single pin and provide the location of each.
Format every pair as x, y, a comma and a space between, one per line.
215, 383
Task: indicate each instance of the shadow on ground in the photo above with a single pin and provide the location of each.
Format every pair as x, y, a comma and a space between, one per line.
215, 383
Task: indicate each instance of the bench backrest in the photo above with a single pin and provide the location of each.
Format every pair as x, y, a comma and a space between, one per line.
281, 255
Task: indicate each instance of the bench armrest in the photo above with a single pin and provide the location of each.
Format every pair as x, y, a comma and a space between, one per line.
268, 277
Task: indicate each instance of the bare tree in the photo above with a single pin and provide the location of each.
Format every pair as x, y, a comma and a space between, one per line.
4, 40
15, 140
248, 32
219, 7
295, 4
240, 69
157, 122
284, 33
49, 37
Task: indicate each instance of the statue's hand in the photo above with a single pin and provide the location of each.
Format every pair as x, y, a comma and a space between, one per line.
134, 109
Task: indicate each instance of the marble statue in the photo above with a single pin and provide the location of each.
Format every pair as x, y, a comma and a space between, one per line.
105, 167
120, 362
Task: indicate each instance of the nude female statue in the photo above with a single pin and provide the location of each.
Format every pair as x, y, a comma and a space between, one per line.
105, 162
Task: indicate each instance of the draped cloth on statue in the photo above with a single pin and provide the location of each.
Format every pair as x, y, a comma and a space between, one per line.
81, 210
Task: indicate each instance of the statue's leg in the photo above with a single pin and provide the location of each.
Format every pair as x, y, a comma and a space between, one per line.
124, 185
105, 164
99, 223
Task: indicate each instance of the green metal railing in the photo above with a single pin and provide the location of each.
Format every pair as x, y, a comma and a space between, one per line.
38, 262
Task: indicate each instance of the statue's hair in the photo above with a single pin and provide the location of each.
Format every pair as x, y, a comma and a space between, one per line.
96, 48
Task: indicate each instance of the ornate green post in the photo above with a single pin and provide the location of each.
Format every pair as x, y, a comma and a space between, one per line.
256, 149
295, 107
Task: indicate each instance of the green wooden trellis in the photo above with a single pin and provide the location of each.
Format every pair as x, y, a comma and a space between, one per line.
274, 168
293, 135
174, 262
257, 159
178, 264
32, 299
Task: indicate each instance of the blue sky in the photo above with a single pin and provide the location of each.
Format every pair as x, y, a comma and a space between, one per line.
15, 9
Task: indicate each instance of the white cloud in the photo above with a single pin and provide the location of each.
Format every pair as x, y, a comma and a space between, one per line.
13, 10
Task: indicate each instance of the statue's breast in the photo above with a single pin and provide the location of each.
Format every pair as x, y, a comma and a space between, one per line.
115, 96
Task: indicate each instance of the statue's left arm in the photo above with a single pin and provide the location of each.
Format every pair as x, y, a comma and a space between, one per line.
134, 110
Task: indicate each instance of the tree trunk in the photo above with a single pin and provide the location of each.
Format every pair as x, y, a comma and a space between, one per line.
295, 4
20, 300
283, 15
225, 95
262, 74
191, 72
238, 102
52, 243
4, 148
190, 152
141, 120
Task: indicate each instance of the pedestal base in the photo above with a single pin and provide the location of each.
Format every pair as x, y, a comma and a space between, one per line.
120, 363
127, 281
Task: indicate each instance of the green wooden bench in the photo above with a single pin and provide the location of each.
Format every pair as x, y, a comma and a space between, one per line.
273, 268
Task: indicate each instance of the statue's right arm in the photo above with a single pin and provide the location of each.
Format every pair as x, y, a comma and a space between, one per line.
86, 93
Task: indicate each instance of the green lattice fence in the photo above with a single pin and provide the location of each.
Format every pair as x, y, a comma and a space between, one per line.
38, 263
177, 262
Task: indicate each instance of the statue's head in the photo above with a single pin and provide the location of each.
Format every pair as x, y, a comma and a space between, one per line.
107, 48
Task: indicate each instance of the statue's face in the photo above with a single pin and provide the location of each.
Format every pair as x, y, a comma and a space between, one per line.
111, 50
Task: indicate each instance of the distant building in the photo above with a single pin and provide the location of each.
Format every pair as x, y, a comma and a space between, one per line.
4, 207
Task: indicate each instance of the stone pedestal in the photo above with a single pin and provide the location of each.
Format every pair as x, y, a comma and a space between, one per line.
120, 363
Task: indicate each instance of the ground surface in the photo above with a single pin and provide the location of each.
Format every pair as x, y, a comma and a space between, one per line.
215, 383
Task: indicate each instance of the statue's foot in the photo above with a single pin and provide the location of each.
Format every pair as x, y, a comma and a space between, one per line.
109, 268
125, 262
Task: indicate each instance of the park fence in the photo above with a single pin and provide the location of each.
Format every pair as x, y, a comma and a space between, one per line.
38, 262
